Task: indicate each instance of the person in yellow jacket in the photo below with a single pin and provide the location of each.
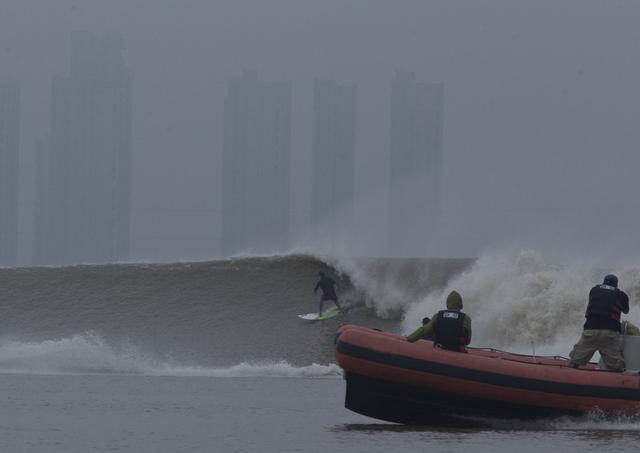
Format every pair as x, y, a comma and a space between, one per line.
449, 329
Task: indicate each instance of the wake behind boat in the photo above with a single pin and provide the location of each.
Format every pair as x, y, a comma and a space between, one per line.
391, 379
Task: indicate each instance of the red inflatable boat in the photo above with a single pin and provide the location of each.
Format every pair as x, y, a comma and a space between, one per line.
390, 379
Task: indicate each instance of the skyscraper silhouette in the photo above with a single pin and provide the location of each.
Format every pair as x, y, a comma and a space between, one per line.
417, 117
88, 155
257, 131
334, 113
9, 170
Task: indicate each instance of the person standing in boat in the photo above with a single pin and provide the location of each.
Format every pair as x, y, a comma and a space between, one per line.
450, 329
602, 328
328, 287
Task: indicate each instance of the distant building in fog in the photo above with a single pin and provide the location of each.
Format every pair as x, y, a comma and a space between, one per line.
9, 169
257, 131
87, 157
417, 117
41, 201
334, 112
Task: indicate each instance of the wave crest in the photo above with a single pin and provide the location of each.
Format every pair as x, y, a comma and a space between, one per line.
90, 354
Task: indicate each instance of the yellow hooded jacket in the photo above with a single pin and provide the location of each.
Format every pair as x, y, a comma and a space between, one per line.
454, 302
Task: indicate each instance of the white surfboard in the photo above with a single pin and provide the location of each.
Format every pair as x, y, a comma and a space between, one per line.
326, 314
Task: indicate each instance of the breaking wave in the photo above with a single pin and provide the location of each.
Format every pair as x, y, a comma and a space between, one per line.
517, 301
240, 315
89, 354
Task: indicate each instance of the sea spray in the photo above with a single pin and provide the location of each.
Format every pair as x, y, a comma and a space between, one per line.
79, 354
280, 369
520, 300
596, 422
391, 286
90, 354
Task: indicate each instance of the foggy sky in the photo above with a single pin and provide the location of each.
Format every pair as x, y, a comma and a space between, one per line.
542, 108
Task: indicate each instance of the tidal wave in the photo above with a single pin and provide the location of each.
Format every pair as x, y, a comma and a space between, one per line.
219, 314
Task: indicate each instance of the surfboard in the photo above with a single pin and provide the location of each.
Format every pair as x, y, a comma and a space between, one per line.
326, 314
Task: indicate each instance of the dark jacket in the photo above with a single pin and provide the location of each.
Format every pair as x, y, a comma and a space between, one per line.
327, 286
604, 308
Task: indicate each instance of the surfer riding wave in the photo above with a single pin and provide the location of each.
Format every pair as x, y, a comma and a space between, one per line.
328, 287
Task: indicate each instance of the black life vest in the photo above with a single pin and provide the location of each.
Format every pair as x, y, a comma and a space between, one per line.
449, 331
605, 304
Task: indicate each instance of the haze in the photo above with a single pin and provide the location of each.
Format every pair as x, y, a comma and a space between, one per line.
541, 115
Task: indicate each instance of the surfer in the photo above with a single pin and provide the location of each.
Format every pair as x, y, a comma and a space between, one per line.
449, 329
328, 287
602, 327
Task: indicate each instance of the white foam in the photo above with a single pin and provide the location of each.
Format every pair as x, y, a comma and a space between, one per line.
521, 302
518, 301
85, 353
90, 354
381, 281
594, 421
245, 369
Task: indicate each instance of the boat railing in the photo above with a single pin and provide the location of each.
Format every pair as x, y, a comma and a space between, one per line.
554, 357
538, 360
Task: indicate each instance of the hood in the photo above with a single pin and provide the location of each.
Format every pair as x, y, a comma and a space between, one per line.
454, 301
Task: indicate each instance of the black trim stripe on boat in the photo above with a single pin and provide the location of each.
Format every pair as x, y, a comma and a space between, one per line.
410, 404
486, 377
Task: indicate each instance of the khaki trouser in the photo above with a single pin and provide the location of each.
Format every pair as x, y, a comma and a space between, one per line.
606, 342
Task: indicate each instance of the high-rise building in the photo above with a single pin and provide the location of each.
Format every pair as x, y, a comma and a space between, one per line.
257, 134
334, 113
9, 170
88, 154
41, 201
417, 117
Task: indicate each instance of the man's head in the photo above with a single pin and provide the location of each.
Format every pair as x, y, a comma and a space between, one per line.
611, 280
454, 301
321, 274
